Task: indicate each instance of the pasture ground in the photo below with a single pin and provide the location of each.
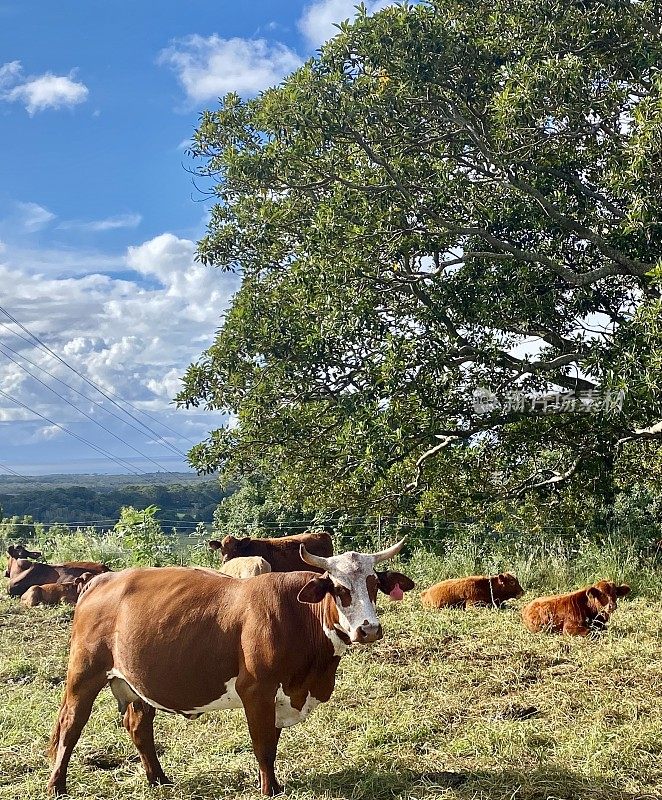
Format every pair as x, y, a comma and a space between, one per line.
451, 704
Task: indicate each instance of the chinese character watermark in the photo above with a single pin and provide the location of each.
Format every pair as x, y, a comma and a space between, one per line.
588, 402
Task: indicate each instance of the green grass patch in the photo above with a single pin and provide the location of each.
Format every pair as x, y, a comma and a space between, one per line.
450, 704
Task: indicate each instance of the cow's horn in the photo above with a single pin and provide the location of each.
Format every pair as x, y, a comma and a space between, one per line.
313, 560
390, 552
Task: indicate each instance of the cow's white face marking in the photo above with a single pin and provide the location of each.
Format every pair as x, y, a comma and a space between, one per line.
339, 647
125, 692
357, 610
287, 715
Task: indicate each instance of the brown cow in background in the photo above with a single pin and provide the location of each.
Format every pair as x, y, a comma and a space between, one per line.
281, 553
476, 590
577, 613
24, 573
50, 594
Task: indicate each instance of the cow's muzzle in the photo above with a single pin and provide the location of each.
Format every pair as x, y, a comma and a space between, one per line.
367, 633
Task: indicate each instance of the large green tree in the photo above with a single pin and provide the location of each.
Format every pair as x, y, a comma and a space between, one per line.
448, 230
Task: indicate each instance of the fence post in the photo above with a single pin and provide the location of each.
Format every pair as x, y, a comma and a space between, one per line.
379, 531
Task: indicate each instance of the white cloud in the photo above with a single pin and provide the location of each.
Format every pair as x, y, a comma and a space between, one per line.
34, 217
49, 432
319, 20
163, 256
108, 224
209, 67
9, 72
128, 338
39, 92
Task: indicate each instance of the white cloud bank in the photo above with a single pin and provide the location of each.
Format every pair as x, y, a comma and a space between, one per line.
319, 21
129, 339
209, 67
39, 92
130, 336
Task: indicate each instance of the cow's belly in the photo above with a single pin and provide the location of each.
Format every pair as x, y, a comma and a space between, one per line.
126, 693
286, 713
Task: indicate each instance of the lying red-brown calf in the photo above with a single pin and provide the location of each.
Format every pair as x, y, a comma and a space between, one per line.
476, 590
576, 613
50, 594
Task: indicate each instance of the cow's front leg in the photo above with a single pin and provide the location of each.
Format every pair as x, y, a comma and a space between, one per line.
260, 708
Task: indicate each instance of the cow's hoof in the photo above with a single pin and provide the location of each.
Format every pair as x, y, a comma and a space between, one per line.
57, 789
160, 780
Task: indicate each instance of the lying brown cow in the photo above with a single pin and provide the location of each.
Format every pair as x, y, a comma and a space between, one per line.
476, 590
23, 573
190, 641
281, 553
246, 567
51, 594
577, 613
21, 551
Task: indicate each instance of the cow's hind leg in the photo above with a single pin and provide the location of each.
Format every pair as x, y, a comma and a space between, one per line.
79, 697
139, 722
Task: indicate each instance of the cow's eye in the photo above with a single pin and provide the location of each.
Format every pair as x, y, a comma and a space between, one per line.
343, 595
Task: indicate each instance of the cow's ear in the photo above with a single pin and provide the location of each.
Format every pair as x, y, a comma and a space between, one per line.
316, 589
622, 590
214, 544
389, 580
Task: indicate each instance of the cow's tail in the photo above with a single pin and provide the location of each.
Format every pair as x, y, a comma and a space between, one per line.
54, 742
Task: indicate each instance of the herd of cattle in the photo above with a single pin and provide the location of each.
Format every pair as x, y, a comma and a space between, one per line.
264, 634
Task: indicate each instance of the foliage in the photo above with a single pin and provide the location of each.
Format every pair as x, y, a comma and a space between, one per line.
141, 533
101, 500
255, 508
454, 199
17, 527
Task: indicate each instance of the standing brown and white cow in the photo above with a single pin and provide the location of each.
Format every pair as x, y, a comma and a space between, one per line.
189, 641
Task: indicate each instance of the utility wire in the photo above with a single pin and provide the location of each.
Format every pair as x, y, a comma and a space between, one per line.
13, 472
97, 388
84, 413
64, 383
121, 462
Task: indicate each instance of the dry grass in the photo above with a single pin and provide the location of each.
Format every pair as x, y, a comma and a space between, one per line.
451, 704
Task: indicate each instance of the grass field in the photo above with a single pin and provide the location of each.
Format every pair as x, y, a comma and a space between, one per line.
451, 704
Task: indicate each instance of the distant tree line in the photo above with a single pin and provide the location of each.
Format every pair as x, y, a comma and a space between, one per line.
79, 504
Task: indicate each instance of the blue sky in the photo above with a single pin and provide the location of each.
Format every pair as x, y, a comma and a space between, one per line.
99, 218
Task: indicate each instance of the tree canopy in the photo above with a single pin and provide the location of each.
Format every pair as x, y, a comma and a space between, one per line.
448, 230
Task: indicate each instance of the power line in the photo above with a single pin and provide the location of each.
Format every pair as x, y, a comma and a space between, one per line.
64, 383
80, 410
121, 462
96, 387
13, 472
